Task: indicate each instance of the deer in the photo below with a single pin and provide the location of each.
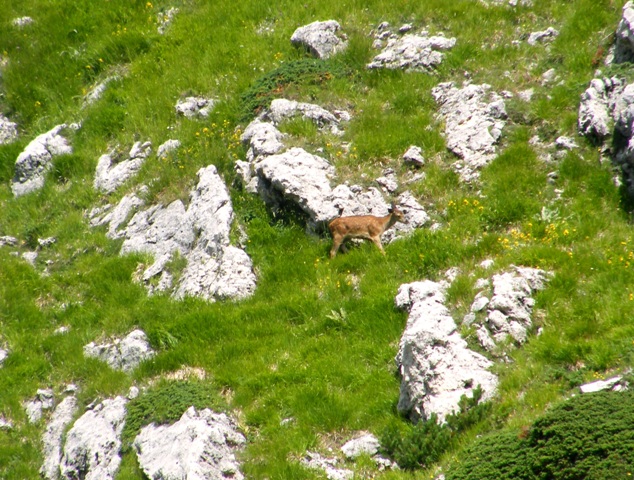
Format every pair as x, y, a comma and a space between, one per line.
367, 227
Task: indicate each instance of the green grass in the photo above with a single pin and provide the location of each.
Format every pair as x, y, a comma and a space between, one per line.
316, 342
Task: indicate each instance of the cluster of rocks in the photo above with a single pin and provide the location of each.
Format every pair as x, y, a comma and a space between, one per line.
407, 51
435, 364
321, 39
199, 233
366, 444
474, 117
122, 354
507, 313
35, 161
192, 107
304, 179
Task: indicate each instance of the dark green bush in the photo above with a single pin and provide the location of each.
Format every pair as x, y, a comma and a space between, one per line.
587, 437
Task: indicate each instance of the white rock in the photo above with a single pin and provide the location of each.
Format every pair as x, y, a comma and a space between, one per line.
412, 52
192, 107
8, 240
35, 161
600, 385
98, 90
43, 401
91, 451
52, 438
596, 107
315, 461
8, 130
479, 304
22, 22
549, 76
30, 257
322, 39
624, 51
547, 35
566, 143
169, 146
4, 354
436, 366
5, 424
110, 174
413, 156
365, 445
122, 354
261, 138
201, 445
118, 216
282, 109
165, 19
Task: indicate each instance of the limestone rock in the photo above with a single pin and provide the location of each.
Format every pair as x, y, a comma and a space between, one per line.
116, 217
91, 451
261, 138
4, 354
8, 240
122, 354
169, 146
52, 438
35, 161
366, 444
111, 174
22, 22
98, 90
624, 51
165, 19
282, 109
547, 35
322, 39
600, 385
411, 52
413, 156
43, 401
329, 466
435, 364
8, 130
200, 445
474, 118
192, 107
596, 107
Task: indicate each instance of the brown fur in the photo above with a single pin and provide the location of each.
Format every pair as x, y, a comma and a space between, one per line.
367, 227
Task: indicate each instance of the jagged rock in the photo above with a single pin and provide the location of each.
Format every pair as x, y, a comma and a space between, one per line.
413, 156
200, 445
474, 118
168, 146
549, 76
192, 107
322, 39
91, 451
43, 401
8, 130
46, 242
367, 444
600, 385
122, 354
547, 35
479, 304
8, 240
52, 438
117, 216
35, 161
298, 176
388, 181
22, 22
314, 461
412, 52
30, 257
596, 107
165, 18
95, 93
282, 109
435, 364
261, 138
111, 174
624, 48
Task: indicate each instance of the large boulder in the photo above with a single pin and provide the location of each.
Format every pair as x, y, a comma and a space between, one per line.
474, 118
91, 451
201, 445
322, 39
111, 174
411, 52
52, 438
122, 354
36, 160
435, 364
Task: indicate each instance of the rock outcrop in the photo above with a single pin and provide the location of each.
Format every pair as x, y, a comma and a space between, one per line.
200, 445
113, 172
474, 118
36, 160
624, 46
411, 52
322, 39
8, 130
52, 438
122, 354
91, 451
435, 364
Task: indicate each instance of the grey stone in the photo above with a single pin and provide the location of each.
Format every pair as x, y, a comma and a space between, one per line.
413, 156
22, 22
98, 90
367, 444
547, 35
624, 49
600, 385
35, 161
412, 52
329, 466
388, 181
8, 240
91, 451
8, 130
5, 424
111, 174
322, 39
4, 354
435, 364
262, 139
165, 18
549, 76
169, 146
479, 304
566, 143
474, 118
200, 445
117, 216
43, 401
122, 354
282, 109
30, 257
192, 107
52, 438
46, 242
596, 107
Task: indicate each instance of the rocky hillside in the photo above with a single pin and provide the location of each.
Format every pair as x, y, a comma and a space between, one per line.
170, 306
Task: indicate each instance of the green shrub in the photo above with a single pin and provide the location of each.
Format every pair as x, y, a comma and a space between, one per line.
587, 437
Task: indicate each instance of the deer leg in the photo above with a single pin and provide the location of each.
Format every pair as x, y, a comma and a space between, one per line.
377, 242
336, 243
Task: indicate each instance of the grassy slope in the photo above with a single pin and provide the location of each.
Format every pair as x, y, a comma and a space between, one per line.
283, 353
